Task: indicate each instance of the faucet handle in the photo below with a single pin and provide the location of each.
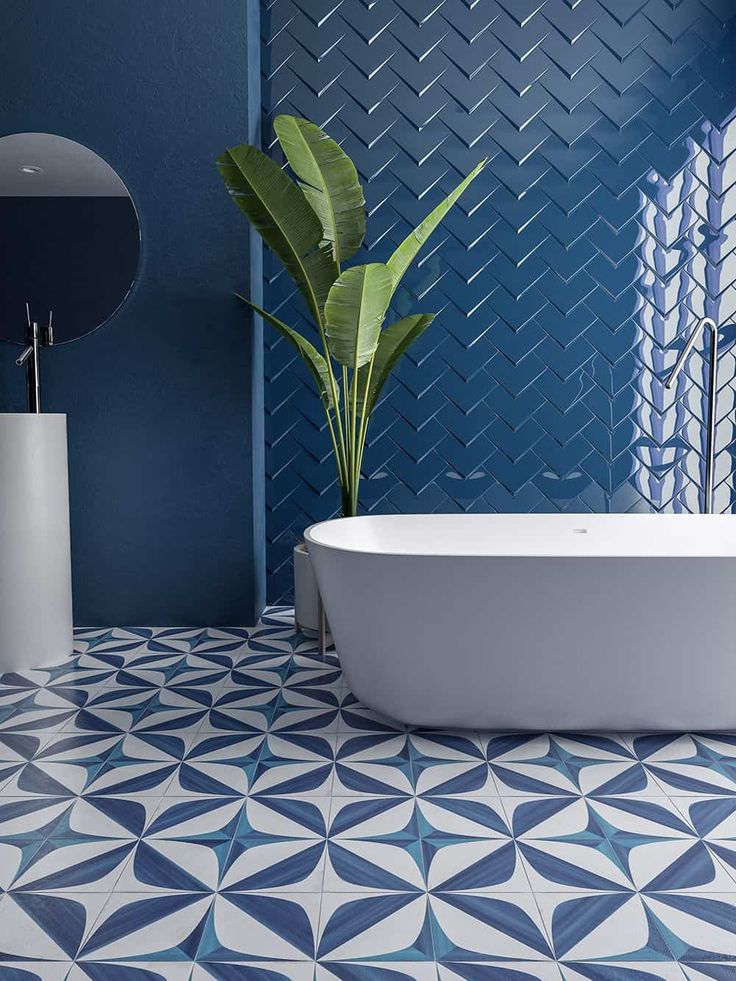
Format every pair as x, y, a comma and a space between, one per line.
48, 332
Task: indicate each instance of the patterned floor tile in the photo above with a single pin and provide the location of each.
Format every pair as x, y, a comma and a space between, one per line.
35, 971
386, 926
47, 927
15, 854
563, 845
241, 710
610, 971
99, 817
218, 763
308, 703
376, 970
450, 763
374, 844
69, 865
661, 851
51, 779
509, 971
142, 764
595, 765
184, 846
710, 971
256, 970
217, 804
30, 719
260, 679
480, 927
76, 672
468, 846
714, 820
690, 765
89, 749
295, 764
163, 927
16, 749
614, 926
129, 971
698, 927
373, 763
278, 846
30, 817
258, 926
18, 704
179, 711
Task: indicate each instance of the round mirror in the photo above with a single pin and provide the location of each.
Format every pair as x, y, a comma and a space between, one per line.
69, 237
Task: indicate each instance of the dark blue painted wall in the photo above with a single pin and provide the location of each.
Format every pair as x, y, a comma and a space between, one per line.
600, 230
165, 516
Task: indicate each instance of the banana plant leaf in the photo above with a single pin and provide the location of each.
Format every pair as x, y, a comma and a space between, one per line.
310, 355
278, 210
355, 311
406, 253
329, 181
392, 344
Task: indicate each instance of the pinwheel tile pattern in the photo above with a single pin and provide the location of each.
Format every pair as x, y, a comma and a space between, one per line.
215, 804
602, 226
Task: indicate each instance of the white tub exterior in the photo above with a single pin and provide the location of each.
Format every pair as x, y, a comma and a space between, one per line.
535, 621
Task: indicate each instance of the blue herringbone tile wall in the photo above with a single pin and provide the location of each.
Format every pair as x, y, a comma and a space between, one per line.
604, 224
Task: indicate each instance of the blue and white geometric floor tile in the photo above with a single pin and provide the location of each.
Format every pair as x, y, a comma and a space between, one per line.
190, 805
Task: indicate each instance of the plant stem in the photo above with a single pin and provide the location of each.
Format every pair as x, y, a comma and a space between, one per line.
346, 407
346, 502
364, 418
334, 444
355, 462
340, 451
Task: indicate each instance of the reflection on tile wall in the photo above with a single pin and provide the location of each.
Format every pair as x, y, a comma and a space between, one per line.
603, 226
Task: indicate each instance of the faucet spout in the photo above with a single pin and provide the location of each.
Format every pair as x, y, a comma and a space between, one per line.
691, 341
24, 356
703, 324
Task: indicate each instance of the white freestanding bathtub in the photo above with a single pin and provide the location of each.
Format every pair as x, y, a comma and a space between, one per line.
556, 621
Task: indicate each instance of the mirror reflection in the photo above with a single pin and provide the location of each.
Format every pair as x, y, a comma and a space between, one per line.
69, 237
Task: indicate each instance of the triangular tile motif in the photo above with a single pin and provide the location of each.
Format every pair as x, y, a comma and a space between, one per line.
567, 278
325, 841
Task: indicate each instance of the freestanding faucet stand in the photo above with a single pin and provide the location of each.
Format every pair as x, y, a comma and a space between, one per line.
710, 441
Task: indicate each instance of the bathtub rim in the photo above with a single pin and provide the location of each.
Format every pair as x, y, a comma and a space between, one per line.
715, 523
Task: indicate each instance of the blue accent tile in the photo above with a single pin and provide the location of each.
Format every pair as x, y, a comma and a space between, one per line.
565, 279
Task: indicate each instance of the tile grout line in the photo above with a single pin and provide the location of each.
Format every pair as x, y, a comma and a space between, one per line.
425, 867
533, 892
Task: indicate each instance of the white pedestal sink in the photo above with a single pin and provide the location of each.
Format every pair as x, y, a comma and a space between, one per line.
35, 566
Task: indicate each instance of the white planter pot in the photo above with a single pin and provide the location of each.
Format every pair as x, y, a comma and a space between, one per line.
35, 567
306, 594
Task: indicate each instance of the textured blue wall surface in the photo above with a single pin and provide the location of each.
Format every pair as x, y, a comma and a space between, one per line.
159, 400
602, 227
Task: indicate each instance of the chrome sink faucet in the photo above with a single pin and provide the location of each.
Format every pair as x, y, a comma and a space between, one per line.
710, 451
37, 336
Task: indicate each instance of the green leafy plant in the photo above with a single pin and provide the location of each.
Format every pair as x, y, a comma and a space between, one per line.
315, 224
